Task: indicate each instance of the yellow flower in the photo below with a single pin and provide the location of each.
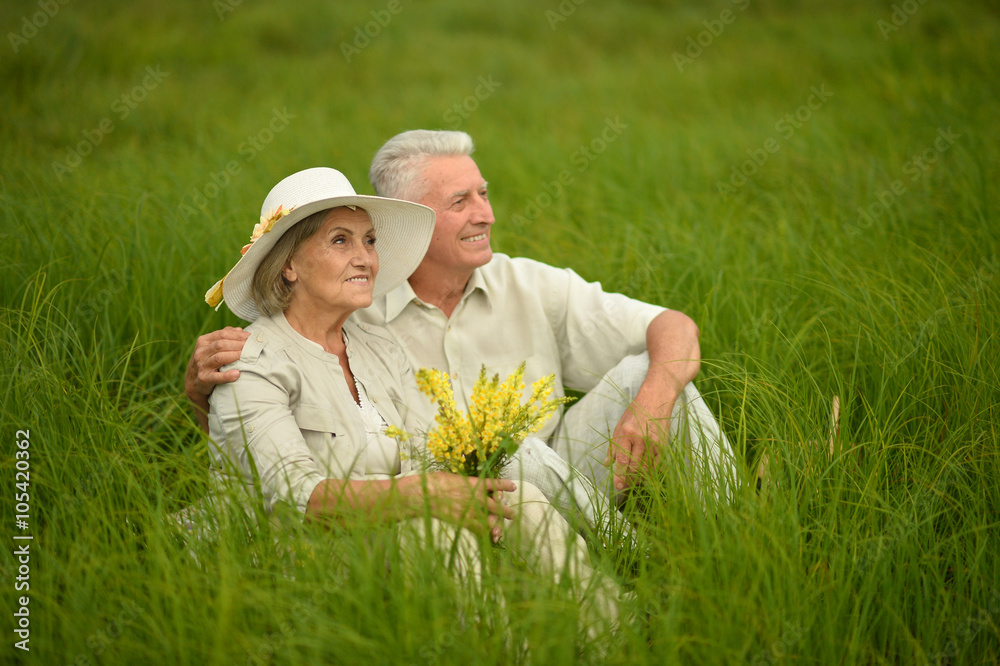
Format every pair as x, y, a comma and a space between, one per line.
396, 433
214, 295
267, 222
477, 444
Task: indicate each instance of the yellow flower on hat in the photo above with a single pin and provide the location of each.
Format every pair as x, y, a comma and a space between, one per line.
266, 224
214, 295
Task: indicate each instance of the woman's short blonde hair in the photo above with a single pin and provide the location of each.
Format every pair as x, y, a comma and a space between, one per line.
271, 291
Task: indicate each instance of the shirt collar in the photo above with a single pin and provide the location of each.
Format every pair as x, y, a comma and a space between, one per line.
311, 347
397, 299
477, 281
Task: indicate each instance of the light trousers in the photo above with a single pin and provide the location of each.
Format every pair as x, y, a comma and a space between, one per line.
570, 471
539, 536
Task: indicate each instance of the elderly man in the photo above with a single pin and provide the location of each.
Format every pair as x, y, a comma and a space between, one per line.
466, 306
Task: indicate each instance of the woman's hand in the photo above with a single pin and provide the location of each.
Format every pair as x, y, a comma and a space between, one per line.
465, 501
469, 502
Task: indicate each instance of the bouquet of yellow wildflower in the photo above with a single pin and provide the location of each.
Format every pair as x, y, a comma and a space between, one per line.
482, 442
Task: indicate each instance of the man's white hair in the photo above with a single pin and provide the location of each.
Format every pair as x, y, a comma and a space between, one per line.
398, 168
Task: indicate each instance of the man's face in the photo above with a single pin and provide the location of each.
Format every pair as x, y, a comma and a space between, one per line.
457, 193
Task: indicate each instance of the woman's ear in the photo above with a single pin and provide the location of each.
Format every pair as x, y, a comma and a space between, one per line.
288, 272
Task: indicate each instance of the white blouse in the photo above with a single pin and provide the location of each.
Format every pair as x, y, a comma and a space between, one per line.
382, 455
382, 460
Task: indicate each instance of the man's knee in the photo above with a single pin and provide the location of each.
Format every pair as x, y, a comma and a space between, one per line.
626, 377
526, 493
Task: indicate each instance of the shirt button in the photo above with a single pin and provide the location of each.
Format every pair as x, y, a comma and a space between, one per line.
374, 399
260, 338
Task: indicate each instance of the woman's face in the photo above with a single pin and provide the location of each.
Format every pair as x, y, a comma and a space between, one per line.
334, 270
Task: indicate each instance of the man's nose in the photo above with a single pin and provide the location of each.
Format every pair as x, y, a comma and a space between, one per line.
484, 211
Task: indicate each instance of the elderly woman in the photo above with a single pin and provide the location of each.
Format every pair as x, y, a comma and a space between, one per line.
308, 413
307, 416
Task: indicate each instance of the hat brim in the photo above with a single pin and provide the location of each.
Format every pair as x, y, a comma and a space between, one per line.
403, 230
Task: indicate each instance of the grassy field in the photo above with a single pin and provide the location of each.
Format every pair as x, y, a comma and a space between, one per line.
815, 184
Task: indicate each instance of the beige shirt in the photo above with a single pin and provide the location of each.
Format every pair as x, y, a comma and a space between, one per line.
517, 310
293, 409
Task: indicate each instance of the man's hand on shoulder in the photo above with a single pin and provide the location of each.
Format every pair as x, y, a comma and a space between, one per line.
211, 352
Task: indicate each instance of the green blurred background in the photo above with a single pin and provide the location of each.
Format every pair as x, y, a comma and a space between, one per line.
813, 182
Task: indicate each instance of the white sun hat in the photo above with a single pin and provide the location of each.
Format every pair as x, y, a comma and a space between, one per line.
403, 230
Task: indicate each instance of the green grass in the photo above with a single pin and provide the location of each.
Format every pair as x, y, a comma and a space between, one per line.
884, 553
